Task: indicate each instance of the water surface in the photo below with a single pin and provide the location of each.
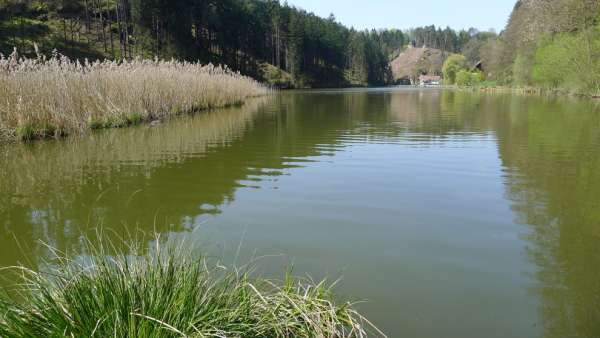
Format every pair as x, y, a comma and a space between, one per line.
453, 214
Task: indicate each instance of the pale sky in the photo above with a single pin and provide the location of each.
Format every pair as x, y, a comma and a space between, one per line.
404, 14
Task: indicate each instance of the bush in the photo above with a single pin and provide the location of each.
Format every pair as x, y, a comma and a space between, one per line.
467, 78
477, 78
276, 77
463, 78
452, 66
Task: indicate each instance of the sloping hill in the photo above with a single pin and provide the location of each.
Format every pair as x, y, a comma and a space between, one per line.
416, 61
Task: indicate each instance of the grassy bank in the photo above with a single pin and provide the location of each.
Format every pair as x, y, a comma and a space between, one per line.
493, 88
169, 294
53, 97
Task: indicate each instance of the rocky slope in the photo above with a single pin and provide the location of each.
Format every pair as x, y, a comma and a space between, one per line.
415, 61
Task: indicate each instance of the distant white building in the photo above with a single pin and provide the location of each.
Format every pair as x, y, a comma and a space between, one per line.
430, 80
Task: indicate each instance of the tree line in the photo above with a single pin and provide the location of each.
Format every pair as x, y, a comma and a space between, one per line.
245, 35
242, 34
547, 43
447, 39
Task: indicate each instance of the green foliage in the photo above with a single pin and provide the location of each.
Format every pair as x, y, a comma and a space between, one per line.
551, 67
468, 78
570, 61
29, 131
463, 78
169, 293
275, 77
456, 70
136, 118
477, 78
521, 70
392, 41
452, 66
553, 47
368, 63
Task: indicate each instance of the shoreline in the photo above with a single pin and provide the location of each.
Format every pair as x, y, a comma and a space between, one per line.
40, 132
531, 91
131, 121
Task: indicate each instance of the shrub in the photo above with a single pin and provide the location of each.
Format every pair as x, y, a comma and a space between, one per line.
463, 78
276, 77
467, 78
477, 78
452, 66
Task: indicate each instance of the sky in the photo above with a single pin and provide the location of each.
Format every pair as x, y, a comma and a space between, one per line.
404, 14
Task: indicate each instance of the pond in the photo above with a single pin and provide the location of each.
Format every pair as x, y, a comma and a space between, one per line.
452, 214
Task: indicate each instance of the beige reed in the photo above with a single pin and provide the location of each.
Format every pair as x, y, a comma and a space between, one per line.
53, 97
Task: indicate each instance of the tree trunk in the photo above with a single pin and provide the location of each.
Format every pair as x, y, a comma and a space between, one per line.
64, 21
101, 15
120, 26
112, 43
87, 22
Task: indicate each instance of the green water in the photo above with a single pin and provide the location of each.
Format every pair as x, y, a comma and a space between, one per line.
453, 214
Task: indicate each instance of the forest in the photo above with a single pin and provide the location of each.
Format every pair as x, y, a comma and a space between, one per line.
547, 44
551, 44
274, 42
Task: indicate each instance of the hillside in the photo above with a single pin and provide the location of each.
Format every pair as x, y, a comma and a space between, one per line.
548, 44
415, 61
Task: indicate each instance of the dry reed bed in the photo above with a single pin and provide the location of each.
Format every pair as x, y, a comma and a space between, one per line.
54, 97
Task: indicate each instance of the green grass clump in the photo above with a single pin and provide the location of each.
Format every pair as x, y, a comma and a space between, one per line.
135, 118
170, 294
32, 131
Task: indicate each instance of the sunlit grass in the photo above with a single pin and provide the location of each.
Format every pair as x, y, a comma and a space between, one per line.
54, 97
168, 293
